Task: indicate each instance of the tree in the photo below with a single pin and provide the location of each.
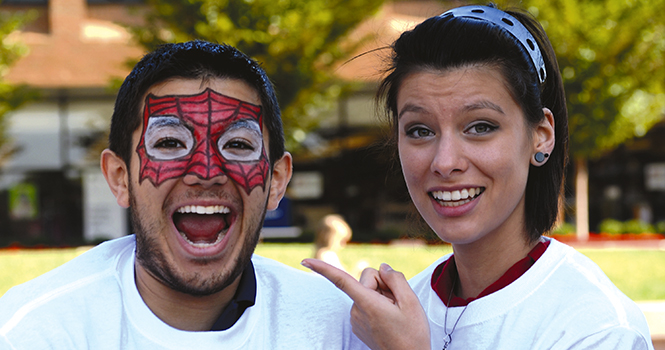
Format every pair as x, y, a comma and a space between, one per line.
11, 97
298, 42
610, 53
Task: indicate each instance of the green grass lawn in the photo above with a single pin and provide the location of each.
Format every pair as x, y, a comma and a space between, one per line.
18, 266
638, 273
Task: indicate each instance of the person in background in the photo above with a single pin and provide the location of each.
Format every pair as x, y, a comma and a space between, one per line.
477, 108
331, 236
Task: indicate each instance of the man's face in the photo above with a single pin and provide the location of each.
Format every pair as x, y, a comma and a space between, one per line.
199, 182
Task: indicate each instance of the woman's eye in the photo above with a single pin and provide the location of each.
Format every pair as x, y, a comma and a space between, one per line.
419, 132
482, 128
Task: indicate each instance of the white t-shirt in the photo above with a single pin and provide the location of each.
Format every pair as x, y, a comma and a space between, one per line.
564, 301
92, 302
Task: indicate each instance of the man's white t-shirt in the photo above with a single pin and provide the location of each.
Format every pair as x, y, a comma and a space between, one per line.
92, 302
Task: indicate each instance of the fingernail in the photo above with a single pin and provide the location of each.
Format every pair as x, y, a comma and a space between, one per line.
306, 264
386, 267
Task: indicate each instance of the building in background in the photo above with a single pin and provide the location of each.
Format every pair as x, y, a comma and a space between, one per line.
76, 48
52, 190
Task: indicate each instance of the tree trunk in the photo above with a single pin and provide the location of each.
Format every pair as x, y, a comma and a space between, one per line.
582, 198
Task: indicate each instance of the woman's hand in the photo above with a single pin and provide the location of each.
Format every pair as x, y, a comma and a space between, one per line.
386, 313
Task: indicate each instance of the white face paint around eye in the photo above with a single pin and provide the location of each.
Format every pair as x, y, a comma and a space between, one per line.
167, 138
242, 141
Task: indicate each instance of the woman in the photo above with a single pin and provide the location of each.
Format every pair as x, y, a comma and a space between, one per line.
477, 107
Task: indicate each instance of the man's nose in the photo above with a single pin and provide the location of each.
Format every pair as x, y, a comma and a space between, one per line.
193, 179
205, 167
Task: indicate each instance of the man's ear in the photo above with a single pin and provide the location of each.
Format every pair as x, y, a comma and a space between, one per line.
281, 175
544, 140
117, 176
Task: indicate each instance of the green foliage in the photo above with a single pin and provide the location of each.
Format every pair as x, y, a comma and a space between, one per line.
11, 97
611, 226
637, 226
660, 227
610, 54
565, 228
298, 42
631, 226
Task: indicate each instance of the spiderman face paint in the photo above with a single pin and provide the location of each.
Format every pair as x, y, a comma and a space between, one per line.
206, 135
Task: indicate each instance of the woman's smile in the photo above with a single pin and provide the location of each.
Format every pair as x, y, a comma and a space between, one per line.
456, 198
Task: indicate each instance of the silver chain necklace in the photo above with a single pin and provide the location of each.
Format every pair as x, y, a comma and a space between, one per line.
449, 336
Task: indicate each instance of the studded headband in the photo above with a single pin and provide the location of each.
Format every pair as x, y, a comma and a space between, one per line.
511, 25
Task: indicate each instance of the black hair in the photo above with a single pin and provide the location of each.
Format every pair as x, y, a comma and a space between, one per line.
193, 59
446, 42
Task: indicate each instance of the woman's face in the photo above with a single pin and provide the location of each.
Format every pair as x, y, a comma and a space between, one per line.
465, 151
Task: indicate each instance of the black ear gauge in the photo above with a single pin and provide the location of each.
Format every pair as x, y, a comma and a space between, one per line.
540, 156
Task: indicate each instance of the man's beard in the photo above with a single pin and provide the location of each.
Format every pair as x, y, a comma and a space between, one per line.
153, 260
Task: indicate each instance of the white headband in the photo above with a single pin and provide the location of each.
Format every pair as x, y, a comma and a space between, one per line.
511, 25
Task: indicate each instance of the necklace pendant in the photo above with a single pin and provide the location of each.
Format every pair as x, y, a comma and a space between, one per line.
446, 341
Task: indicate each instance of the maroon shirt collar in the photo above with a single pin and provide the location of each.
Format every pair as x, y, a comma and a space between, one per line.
446, 273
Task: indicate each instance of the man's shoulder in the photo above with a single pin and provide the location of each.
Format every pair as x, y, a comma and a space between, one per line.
275, 269
72, 282
286, 295
104, 256
292, 281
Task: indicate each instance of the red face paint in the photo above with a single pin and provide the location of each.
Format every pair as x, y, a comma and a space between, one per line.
205, 135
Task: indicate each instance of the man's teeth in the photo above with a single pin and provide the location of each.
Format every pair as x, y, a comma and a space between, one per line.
200, 209
457, 197
203, 244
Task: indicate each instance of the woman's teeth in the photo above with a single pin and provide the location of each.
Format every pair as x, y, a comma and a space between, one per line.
457, 197
200, 209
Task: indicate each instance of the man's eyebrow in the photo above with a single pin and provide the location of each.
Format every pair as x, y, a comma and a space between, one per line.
409, 108
483, 104
247, 124
164, 120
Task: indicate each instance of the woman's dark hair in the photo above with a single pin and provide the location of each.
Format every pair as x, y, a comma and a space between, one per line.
447, 42
191, 60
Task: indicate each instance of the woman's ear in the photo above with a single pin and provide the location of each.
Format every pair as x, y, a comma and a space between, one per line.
543, 140
117, 176
281, 175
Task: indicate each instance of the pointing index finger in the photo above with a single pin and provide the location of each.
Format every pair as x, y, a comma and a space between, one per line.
342, 280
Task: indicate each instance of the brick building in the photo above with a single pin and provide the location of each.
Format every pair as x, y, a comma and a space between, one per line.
51, 190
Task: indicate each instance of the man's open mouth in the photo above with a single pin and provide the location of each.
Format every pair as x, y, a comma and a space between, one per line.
457, 197
202, 226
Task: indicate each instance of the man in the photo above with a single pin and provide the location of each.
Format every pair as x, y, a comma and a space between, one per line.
196, 152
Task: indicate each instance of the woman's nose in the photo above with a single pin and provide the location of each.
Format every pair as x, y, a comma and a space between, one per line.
449, 157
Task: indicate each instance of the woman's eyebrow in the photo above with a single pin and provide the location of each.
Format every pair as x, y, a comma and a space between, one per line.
409, 108
483, 104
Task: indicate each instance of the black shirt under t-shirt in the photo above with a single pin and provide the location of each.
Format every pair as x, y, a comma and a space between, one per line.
244, 298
